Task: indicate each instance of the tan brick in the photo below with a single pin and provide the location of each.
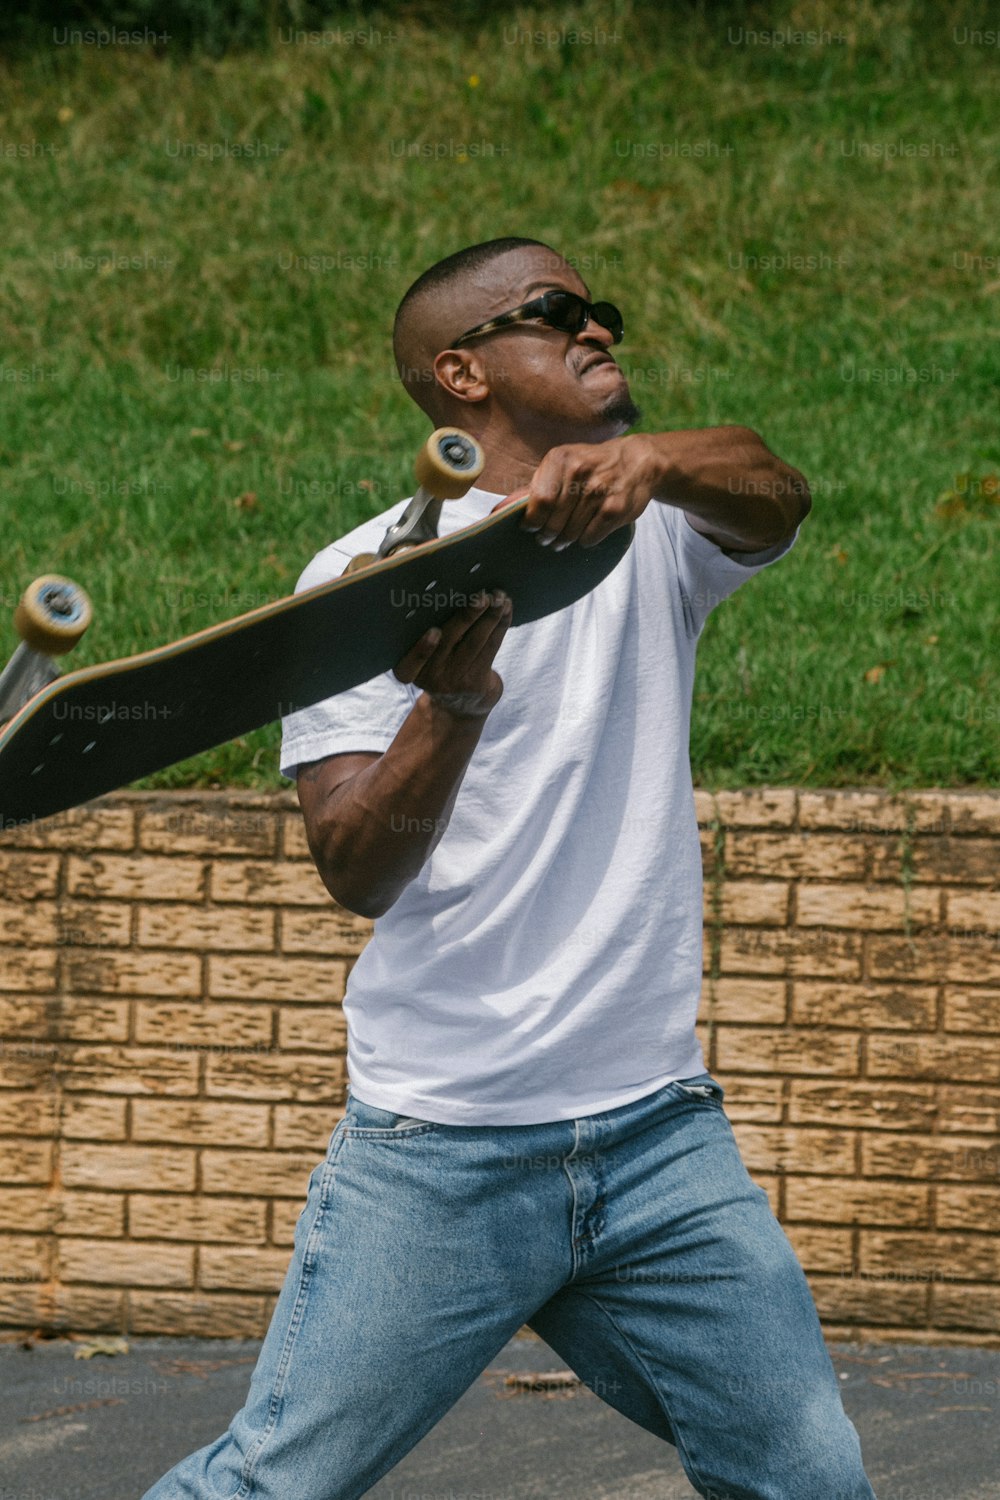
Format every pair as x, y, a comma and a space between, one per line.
972, 1010
972, 1308
172, 1217
199, 927
832, 1201
954, 1057
753, 807
31, 969
126, 1264
91, 1214
962, 1108
305, 1126
86, 1309
202, 826
263, 978
930, 1257
93, 1119
29, 1114
753, 1098
214, 1027
285, 1215
23, 1257
137, 877
200, 1123
919, 1158
167, 1168
973, 812
24, 1305
87, 1019
759, 1049
881, 1106
27, 923
26, 877
331, 931
133, 972
746, 1000
32, 1210
25, 1064
323, 1027
272, 884
763, 950
813, 856
257, 1174
939, 861
974, 913
100, 924
86, 828
860, 1299
862, 1006
969, 1208
306, 1077
28, 1021
25, 1162
242, 1269
962, 960
873, 812
780, 1148
878, 908
821, 1249
129, 1070
211, 1315
752, 902
294, 843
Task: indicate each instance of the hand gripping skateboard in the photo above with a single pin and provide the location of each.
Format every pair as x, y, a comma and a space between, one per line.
101, 727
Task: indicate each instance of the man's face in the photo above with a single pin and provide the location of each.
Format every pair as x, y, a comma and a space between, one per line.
545, 383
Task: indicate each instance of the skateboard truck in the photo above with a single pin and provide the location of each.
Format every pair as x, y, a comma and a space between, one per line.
50, 619
446, 467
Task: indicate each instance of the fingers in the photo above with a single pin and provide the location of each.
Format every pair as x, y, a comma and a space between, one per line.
454, 650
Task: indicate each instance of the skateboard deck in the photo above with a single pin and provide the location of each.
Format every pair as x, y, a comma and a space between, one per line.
101, 727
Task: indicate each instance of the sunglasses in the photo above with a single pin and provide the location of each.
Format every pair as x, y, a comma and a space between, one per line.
563, 310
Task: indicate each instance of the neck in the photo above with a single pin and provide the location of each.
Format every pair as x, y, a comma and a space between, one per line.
513, 457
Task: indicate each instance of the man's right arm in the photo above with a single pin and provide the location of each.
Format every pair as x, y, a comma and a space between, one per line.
372, 821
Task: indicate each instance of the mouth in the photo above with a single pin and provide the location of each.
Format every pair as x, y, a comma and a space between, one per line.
595, 361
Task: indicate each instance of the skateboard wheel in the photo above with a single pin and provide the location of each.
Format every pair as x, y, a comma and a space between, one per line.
52, 615
361, 561
448, 463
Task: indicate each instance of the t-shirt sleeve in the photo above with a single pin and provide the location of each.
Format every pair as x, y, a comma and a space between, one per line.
365, 718
707, 575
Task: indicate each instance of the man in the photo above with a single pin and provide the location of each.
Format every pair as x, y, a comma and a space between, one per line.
530, 1135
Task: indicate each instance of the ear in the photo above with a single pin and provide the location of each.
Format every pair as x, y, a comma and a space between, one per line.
460, 374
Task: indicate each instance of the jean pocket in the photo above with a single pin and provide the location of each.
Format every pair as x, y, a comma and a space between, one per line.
366, 1119
702, 1086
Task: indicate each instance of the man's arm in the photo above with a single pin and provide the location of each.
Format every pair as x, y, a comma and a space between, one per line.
729, 484
373, 821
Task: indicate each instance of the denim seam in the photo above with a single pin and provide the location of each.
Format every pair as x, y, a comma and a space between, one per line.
653, 1384
294, 1322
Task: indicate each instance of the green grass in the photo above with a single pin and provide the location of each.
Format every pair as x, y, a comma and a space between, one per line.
868, 657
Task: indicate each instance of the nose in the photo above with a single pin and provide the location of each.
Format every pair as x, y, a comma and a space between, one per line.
594, 332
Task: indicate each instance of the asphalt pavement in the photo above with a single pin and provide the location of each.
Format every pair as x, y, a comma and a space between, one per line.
106, 1427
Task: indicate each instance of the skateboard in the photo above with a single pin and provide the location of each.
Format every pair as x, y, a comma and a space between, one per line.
101, 727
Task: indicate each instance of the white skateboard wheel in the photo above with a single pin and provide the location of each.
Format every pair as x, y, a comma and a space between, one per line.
449, 463
52, 615
362, 560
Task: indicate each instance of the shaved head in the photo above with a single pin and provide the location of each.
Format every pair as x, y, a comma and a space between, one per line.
440, 305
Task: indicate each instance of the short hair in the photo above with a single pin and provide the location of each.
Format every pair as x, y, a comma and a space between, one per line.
453, 267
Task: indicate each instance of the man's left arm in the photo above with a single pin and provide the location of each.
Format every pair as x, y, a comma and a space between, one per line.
729, 484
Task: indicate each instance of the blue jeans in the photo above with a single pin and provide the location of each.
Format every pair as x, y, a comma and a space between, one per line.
634, 1242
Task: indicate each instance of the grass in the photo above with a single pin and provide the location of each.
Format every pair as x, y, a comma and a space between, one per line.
802, 236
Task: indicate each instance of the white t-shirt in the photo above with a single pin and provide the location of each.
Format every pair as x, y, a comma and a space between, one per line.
546, 962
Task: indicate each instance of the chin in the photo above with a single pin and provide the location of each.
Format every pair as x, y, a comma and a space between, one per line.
622, 410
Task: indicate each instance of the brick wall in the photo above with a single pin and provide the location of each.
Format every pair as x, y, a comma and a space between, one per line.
172, 1052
